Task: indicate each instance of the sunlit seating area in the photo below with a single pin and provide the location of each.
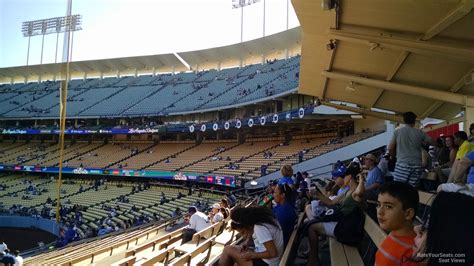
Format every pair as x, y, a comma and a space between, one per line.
95, 203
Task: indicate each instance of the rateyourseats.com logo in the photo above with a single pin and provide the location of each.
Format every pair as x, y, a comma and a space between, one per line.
448, 258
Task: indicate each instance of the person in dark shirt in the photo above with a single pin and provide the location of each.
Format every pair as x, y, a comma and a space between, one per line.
284, 211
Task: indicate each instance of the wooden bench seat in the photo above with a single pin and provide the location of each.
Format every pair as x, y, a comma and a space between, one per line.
125, 261
160, 256
205, 233
291, 245
346, 255
198, 256
157, 242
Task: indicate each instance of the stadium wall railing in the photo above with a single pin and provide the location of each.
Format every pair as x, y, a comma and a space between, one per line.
30, 222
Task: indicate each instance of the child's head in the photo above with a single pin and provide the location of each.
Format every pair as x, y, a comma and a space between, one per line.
397, 205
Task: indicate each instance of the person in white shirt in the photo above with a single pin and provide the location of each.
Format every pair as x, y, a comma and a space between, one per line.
216, 215
18, 258
197, 222
3, 246
257, 224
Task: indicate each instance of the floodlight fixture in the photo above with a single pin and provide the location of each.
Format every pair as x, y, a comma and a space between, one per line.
51, 25
43, 27
243, 3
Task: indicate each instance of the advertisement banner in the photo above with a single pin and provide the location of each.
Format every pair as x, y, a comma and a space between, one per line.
182, 176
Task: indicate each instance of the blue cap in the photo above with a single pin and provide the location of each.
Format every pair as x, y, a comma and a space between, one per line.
340, 172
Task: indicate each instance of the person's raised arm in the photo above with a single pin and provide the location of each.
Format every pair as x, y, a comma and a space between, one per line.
327, 201
359, 192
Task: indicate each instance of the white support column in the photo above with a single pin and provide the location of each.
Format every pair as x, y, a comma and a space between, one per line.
136, 72
118, 74
12, 79
242, 24
219, 66
101, 75
42, 45
264, 18
84, 77
154, 71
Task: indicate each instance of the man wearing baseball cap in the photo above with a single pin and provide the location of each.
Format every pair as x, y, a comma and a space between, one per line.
216, 215
197, 222
338, 177
374, 176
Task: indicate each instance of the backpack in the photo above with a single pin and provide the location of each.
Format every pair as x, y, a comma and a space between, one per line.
330, 215
350, 229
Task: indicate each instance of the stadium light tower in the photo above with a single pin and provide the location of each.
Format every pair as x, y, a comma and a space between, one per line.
43, 27
241, 4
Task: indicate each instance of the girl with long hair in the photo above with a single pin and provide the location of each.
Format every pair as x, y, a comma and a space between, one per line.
259, 224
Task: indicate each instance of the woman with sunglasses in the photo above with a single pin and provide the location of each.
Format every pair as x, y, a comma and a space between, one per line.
259, 224
284, 211
447, 237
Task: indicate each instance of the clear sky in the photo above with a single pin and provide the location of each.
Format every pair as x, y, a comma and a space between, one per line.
120, 28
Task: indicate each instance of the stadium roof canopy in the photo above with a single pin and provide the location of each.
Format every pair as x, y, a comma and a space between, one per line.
395, 55
278, 45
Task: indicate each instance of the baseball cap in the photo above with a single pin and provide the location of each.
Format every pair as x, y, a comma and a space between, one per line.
339, 172
192, 209
216, 206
